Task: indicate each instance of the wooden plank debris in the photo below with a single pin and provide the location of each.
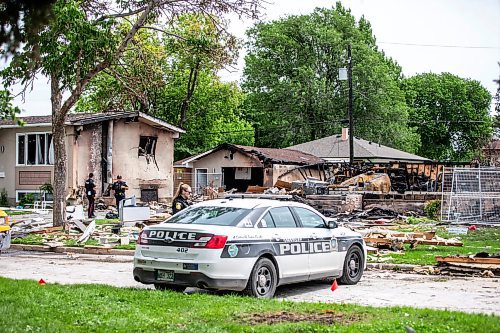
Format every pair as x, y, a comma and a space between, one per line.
48, 230
468, 260
256, 189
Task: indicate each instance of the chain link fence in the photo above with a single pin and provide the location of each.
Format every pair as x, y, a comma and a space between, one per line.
471, 195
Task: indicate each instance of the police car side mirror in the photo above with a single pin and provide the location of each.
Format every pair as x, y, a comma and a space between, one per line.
332, 224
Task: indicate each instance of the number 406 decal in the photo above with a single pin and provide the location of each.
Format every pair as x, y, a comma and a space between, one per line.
182, 249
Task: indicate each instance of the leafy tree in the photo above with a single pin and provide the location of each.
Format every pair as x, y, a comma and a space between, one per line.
215, 113
294, 94
201, 46
451, 115
7, 110
21, 20
496, 124
85, 38
159, 76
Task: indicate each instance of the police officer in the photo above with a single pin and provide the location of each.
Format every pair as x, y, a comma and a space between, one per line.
119, 187
90, 193
181, 198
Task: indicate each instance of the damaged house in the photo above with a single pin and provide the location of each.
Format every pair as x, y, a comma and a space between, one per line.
236, 167
132, 144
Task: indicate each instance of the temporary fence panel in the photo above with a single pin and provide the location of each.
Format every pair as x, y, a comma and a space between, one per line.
471, 195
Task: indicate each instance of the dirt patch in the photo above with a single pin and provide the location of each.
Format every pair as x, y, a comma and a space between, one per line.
325, 317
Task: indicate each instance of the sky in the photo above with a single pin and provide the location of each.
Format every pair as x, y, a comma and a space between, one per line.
422, 36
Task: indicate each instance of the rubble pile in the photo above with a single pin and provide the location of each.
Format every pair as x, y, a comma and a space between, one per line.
79, 231
394, 240
482, 263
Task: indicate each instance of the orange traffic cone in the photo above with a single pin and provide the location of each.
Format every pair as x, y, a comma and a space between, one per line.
41, 282
334, 285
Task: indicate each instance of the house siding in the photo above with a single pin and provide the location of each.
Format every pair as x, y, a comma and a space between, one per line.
138, 171
31, 175
217, 160
84, 150
87, 156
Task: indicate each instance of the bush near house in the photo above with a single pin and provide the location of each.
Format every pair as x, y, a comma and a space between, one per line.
27, 199
4, 199
433, 209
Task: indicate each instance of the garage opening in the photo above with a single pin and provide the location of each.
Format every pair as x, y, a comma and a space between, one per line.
241, 178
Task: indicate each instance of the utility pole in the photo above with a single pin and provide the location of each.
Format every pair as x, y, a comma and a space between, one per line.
351, 121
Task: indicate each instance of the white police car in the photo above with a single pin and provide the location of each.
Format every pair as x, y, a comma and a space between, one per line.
247, 244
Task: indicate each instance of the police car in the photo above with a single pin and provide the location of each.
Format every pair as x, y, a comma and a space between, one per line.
251, 245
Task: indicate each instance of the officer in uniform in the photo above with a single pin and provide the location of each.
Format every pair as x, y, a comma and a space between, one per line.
90, 193
119, 187
181, 198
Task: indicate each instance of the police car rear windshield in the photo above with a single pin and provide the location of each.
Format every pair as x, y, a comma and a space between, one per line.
224, 216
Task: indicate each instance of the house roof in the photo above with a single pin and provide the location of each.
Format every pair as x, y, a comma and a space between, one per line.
266, 155
333, 148
185, 161
90, 118
493, 145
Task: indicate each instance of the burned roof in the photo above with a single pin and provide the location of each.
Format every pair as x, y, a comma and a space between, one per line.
90, 118
265, 155
278, 156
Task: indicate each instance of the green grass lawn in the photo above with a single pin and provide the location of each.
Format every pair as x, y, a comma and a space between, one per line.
17, 212
28, 307
481, 240
106, 221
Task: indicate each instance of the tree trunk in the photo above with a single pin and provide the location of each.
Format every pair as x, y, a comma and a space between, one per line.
193, 75
60, 110
60, 158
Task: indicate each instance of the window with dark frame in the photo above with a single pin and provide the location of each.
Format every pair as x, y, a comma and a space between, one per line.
147, 145
34, 149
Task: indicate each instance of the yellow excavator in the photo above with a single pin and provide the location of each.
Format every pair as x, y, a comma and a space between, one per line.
369, 181
4, 231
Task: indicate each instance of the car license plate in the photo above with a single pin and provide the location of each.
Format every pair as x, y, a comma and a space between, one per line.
165, 276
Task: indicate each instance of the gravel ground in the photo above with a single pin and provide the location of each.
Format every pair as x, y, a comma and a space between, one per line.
377, 288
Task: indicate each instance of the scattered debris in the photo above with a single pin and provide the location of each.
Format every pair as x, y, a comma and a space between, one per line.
394, 240
481, 264
87, 233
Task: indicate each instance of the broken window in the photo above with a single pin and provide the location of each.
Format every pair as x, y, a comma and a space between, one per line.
35, 149
147, 145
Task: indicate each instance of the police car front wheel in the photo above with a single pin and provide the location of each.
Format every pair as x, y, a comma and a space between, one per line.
263, 279
353, 266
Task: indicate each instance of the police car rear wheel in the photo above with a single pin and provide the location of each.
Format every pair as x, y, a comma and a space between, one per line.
164, 286
353, 266
263, 279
